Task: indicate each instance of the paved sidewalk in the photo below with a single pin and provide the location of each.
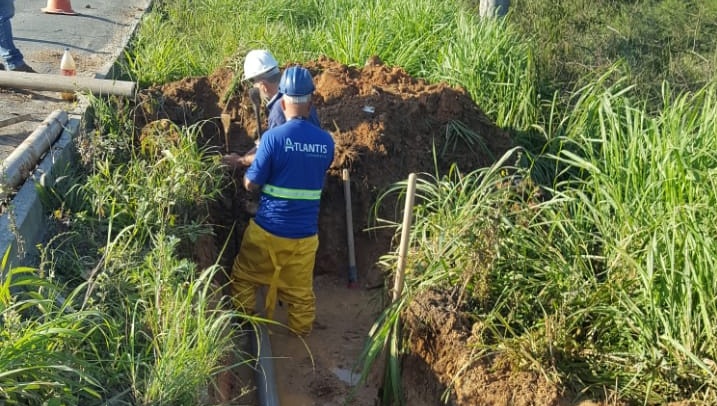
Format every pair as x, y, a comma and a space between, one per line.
96, 38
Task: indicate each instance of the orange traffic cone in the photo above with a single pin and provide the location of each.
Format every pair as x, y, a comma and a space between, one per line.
59, 7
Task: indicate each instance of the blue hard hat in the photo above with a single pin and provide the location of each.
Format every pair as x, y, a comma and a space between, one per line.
296, 81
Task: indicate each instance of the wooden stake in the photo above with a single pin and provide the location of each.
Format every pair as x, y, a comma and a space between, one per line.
405, 236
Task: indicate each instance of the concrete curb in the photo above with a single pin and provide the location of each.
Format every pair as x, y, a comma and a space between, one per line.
24, 157
23, 226
108, 70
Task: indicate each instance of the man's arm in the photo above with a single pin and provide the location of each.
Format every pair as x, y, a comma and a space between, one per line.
249, 185
235, 160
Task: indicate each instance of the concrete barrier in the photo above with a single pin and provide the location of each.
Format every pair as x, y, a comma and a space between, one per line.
25, 157
23, 225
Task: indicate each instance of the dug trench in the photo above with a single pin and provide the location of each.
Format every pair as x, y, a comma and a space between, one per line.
386, 124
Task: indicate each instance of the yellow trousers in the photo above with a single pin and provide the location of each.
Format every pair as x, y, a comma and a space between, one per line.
286, 266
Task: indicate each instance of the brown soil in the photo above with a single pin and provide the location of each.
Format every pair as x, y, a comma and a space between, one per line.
385, 124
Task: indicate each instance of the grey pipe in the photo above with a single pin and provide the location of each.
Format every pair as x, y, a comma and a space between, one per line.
264, 370
23, 159
42, 81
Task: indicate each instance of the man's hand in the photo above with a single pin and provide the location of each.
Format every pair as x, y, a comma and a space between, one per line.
235, 160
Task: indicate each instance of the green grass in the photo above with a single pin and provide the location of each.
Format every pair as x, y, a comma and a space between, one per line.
47, 346
643, 190
606, 286
658, 40
140, 324
585, 255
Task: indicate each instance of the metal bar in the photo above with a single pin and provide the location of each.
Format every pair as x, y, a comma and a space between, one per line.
353, 272
15, 120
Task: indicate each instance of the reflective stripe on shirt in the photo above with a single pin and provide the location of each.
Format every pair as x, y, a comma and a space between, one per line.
292, 194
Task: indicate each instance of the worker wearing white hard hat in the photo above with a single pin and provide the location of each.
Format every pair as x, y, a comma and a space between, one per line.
261, 68
259, 62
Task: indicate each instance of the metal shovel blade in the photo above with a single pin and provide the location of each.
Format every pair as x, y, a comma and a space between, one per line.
226, 123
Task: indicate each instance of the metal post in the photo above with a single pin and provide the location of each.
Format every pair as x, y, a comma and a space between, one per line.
494, 8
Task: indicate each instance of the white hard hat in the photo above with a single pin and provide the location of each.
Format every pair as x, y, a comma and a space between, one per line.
259, 62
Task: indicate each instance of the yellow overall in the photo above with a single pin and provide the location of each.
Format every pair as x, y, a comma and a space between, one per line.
286, 265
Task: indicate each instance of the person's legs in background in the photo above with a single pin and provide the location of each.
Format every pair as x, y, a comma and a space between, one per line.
10, 55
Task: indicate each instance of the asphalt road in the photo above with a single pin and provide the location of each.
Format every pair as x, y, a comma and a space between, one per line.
96, 37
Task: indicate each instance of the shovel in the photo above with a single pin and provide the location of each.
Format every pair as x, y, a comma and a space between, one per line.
255, 98
353, 278
226, 123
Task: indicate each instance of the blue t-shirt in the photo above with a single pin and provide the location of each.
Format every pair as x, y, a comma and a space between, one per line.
276, 114
290, 167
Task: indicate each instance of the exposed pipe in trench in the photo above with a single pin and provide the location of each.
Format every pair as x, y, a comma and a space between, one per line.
23, 159
264, 370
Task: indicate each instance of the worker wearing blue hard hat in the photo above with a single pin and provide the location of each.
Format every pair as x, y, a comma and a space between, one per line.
279, 245
297, 82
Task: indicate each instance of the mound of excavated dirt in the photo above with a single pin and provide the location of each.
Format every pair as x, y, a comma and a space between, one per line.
386, 124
